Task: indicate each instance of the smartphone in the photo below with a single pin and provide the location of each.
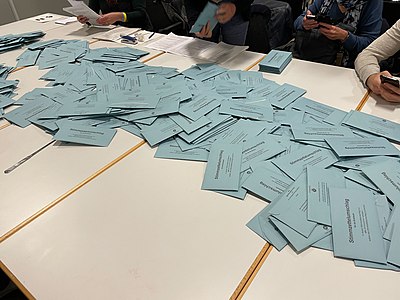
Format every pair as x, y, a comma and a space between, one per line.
391, 80
311, 17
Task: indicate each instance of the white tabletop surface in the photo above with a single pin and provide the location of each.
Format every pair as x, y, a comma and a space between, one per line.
377, 106
315, 275
28, 25
50, 173
142, 230
331, 85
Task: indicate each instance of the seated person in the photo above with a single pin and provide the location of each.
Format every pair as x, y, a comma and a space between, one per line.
129, 13
367, 63
364, 16
233, 20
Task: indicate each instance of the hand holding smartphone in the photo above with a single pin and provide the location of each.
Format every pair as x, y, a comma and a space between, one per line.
391, 80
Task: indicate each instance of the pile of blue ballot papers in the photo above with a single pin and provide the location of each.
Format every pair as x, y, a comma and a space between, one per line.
13, 41
331, 178
275, 61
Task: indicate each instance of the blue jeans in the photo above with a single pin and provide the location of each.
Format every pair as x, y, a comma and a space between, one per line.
233, 32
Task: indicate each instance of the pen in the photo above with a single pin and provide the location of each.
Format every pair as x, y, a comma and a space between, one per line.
12, 168
151, 35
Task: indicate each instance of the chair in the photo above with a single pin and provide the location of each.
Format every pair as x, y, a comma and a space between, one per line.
167, 16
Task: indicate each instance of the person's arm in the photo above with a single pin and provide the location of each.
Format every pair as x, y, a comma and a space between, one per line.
367, 62
368, 29
95, 6
313, 8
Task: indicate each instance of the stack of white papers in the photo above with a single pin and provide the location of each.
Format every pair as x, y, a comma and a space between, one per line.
79, 8
275, 61
197, 48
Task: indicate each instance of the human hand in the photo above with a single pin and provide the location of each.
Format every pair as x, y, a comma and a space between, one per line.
225, 12
387, 91
82, 19
110, 18
205, 32
333, 32
309, 24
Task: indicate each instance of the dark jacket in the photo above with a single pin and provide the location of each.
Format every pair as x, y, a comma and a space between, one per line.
135, 11
194, 7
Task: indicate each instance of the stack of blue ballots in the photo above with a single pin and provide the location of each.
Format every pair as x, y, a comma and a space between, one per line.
13, 41
275, 61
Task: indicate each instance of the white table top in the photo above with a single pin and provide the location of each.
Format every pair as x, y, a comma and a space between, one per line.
49, 174
331, 85
28, 25
142, 230
379, 107
315, 275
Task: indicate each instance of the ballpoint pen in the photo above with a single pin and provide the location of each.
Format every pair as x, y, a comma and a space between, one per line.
26, 158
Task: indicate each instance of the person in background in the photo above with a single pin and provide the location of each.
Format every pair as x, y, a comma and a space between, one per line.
364, 16
233, 20
129, 13
367, 63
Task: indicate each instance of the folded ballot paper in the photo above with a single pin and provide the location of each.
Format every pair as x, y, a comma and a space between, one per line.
275, 61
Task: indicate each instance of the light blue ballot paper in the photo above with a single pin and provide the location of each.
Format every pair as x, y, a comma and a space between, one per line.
326, 243
298, 241
231, 90
375, 125
387, 266
288, 117
162, 129
267, 184
295, 216
189, 125
242, 192
223, 168
200, 104
241, 132
262, 111
347, 147
21, 115
275, 61
171, 150
336, 117
319, 133
262, 226
259, 148
356, 163
319, 183
313, 107
87, 135
207, 15
284, 95
295, 163
394, 219
359, 177
394, 250
386, 176
355, 226
5, 101
128, 99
